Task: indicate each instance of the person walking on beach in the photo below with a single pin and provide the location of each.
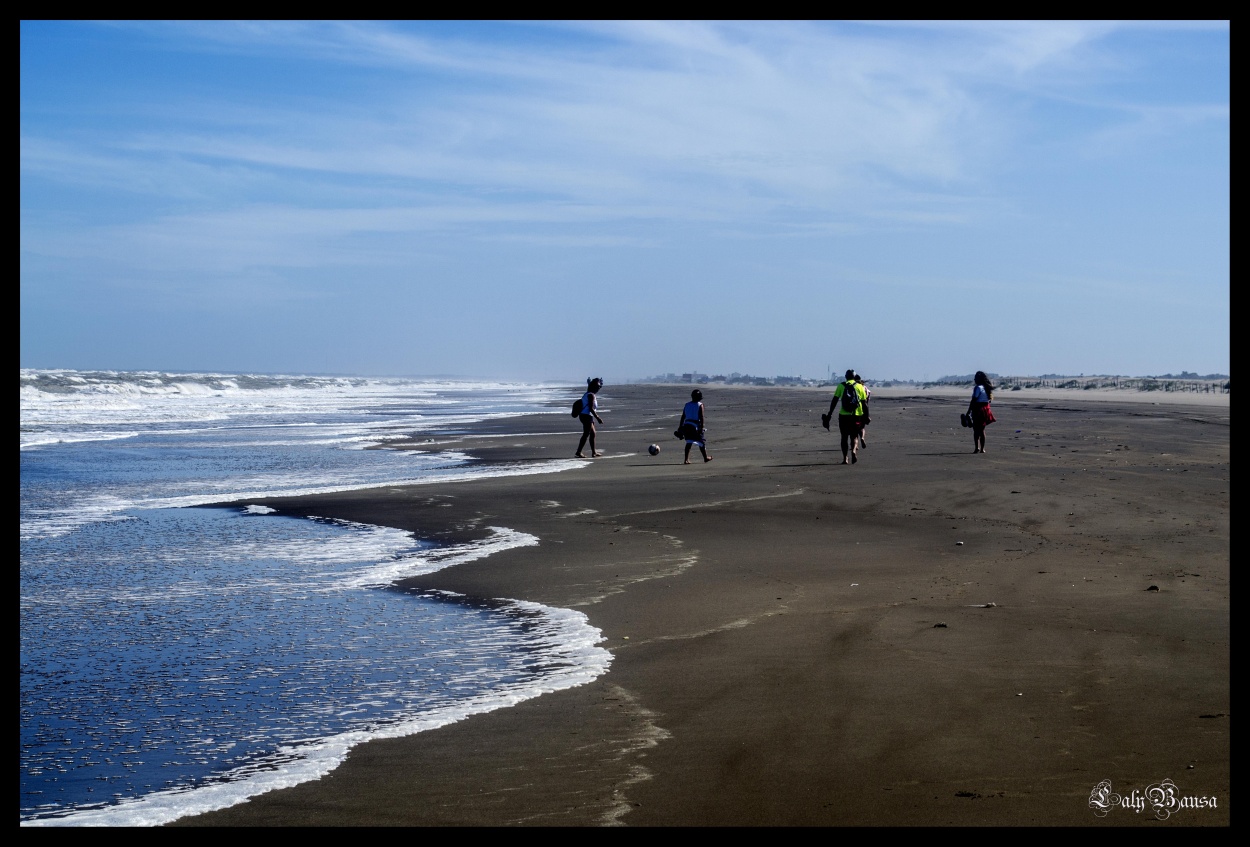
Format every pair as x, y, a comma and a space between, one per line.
848, 400
588, 416
979, 409
863, 424
693, 426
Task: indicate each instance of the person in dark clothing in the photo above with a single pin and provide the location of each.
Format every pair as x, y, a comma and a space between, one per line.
694, 426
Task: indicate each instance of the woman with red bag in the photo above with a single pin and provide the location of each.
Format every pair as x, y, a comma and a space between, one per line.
979, 409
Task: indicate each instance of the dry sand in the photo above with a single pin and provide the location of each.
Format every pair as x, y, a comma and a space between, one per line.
928, 637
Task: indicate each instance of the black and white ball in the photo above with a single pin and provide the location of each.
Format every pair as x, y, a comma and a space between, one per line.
654, 449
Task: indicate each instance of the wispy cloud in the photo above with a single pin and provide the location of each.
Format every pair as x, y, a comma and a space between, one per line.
276, 149
714, 118
706, 113
687, 120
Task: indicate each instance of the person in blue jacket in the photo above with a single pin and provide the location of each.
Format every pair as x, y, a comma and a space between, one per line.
693, 425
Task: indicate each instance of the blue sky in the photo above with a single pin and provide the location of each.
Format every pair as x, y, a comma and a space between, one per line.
559, 200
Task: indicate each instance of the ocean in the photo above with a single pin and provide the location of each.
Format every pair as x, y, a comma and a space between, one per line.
177, 658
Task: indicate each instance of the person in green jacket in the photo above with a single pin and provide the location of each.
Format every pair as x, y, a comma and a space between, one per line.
848, 400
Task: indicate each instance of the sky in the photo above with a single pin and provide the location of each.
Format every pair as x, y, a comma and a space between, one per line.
560, 200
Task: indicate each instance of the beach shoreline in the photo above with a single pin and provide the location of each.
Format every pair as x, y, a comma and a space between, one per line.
929, 637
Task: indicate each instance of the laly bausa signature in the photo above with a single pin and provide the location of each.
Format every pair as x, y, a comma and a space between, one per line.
1162, 798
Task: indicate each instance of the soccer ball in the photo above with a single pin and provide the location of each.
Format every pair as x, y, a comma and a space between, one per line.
654, 449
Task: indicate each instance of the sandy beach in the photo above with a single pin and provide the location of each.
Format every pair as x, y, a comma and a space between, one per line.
928, 637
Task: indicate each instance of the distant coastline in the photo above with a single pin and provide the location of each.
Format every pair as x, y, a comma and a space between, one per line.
1167, 384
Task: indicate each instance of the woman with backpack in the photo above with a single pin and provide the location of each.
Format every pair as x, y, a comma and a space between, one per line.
588, 415
979, 409
848, 399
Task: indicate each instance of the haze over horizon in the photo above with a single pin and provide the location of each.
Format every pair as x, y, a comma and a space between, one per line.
554, 200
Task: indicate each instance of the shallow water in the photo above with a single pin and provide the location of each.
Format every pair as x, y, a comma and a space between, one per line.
177, 658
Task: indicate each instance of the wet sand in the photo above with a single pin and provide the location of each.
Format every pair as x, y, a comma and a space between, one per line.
928, 637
